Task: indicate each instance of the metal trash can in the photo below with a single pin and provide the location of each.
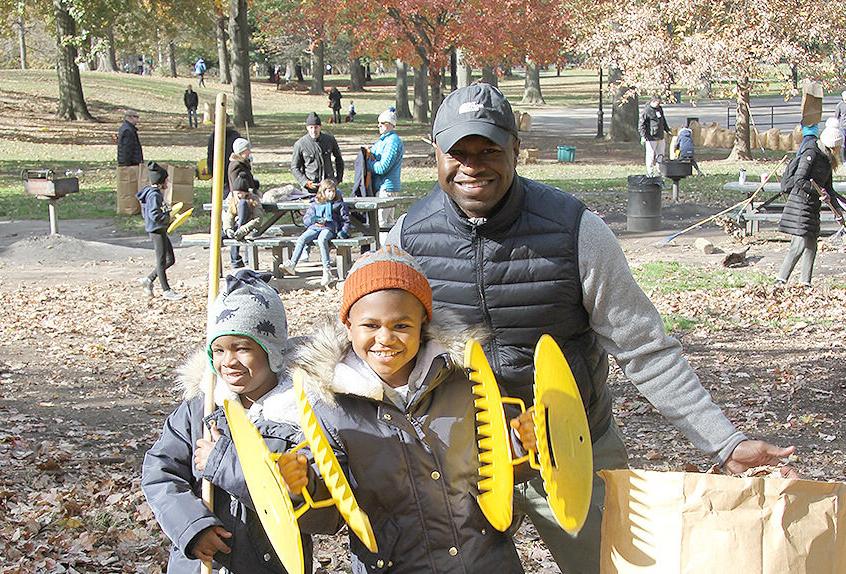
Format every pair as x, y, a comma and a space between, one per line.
643, 212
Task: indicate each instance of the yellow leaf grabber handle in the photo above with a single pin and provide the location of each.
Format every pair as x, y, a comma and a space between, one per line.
308, 501
532, 456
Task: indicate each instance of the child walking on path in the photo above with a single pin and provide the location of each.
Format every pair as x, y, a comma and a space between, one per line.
249, 351
327, 217
156, 219
390, 390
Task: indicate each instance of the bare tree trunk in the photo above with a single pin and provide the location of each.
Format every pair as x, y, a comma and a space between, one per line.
239, 35
224, 68
317, 68
91, 55
171, 56
453, 70
159, 54
624, 113
401, 94
742, 149
465, 72
106, 57
71, 99
421, 94
356, 75
21, 40
435, 76
532, 90
489, 76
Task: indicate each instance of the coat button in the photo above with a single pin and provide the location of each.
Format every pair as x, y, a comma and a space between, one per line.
390, 563
387, 416
484, 531
266, 557
435, 475
380, 563
453, 551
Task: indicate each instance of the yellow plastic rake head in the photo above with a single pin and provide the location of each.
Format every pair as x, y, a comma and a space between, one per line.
563, 436
267, 488
330, 470
179, 220
496, 470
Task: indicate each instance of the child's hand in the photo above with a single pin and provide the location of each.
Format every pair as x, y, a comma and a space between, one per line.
210, 541
524, 426
294, 470
204, 448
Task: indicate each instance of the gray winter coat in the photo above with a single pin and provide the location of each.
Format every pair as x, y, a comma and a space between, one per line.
172, 484
312, 159
414, 468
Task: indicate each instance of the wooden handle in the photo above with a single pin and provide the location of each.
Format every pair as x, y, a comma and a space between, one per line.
214, 275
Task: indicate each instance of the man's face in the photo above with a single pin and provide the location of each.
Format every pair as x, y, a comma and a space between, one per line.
385, 127
313, 131
133, 119
476, 173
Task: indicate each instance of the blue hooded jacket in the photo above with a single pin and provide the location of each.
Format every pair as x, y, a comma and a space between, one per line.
152, 201
386, 163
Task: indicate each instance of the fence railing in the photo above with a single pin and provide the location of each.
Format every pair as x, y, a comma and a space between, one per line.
784, 115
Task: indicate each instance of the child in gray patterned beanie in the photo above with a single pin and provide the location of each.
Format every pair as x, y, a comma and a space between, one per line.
247, 318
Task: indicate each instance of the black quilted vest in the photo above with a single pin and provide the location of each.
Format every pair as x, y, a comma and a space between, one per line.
518, 275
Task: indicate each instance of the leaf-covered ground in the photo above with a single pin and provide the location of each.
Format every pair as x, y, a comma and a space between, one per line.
87, 369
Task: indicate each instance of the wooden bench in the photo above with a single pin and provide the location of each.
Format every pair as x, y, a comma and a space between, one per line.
282, 248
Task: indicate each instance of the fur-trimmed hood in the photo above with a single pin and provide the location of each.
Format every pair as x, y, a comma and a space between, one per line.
332, 369
278, 405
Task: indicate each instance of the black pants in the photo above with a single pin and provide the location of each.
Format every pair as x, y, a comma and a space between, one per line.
164, 258
336, 115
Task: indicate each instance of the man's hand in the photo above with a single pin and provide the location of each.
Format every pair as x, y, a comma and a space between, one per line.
204, 448
294, 470
524, 426
209, 542
751, 453
311, 185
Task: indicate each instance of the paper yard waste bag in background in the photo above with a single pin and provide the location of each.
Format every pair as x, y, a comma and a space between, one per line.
812, 101
688, 523
130, 179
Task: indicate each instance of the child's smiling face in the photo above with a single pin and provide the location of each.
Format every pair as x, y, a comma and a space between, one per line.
384, 328
243, 366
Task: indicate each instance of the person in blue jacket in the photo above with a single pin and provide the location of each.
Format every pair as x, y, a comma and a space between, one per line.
249, 351
385, 163
327, 217
156, 218
684, 146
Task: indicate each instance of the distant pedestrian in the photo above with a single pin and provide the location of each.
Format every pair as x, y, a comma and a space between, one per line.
192, 102
200, 71
652, 127
385, 163
312, 159
351, 112
818, 159
335, 103
156, 218
231, 135
129, 150
684, 145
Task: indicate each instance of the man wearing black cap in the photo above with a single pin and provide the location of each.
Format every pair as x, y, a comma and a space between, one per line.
311, 161
525, 259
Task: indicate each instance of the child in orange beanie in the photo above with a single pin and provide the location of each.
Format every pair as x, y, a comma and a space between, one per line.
389, 387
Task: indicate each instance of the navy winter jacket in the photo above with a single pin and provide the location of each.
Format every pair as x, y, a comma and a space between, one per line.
129, 150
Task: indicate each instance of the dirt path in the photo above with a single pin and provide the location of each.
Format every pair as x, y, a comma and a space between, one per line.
87, 368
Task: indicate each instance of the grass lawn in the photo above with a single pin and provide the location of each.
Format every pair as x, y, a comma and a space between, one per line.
31, 137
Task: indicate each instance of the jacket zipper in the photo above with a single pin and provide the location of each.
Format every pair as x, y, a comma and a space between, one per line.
480, 284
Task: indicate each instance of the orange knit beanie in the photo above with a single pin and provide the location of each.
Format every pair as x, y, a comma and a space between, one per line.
387, 268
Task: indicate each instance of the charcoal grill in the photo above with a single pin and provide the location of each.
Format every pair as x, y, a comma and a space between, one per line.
43, 184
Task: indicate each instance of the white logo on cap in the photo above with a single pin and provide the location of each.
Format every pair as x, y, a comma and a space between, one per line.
469, 107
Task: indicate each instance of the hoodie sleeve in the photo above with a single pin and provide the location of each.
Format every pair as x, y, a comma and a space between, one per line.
156, 211
169, 484
310, 214
630, 329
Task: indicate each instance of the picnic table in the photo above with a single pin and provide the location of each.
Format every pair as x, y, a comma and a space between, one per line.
369, 206
755, 212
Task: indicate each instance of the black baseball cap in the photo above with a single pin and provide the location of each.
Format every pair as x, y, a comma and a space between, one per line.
479, 109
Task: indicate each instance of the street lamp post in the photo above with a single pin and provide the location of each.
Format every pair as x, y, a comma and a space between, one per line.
600, 128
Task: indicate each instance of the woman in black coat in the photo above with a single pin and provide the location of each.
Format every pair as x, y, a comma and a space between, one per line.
819, 157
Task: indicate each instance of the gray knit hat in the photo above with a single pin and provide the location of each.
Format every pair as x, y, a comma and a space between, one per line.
249, 307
